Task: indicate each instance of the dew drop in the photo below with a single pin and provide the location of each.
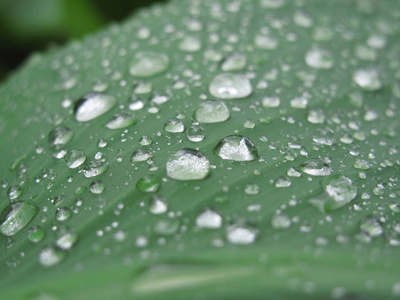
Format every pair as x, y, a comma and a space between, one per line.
14, 192
16, 216
209, 219
141, 155
67, 240
148, 183
188, 164
174, 126
36, 234
240, 235
50, 257
195, 133
148, 64
368, 79
158, 205
234, 62
60, 136
97, 187
315, 167
92, 106
271, 101
319, 59
63, 214
211, 111
280, 221
236, 148
166, 226
230, 86
75, 159
371, 226
121, 120
95, 168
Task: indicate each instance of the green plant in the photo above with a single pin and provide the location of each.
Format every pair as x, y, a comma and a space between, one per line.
284, 186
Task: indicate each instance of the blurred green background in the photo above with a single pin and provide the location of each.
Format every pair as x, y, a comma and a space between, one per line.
27, 26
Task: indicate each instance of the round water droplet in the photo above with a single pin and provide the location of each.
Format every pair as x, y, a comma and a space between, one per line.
188, 164
190, 44
236, 148
92, 106
271, 101
282, 182
96, 168
252, 189
234, 62
166, 226
145, 140
75, 159
324, 136
266, 42
97, 187
141, 155
315, 167
319, 59
174, 126
280, 221
371, 226
195, 133
14, 192
50, 257
16, 216
121, 120
63, 214
148, 64
148, 184
211, 111
209, 219
158, 205
316, 116
60, 136
368, 79
299, 102
240, 235
59, 151
67, 240
230, 86
36, 234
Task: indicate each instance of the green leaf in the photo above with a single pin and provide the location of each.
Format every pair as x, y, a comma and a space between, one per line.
139, 200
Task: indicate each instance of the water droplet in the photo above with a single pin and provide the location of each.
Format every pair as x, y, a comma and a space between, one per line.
209, 219
234, 62
324, 136
368, 79
141, 155
252, 189
315, 167
16, 216
280, 221
63, 214
121, 120
60, 136
95, 168
148, 183
211, 111
319, 59
266, 42
158, 205
282, 182
59, 151
92, 106
36, 234
166, 226
49, 257
195, 133
67, 240
174, 126
299, 102
230, 86
188, 164
14, 192
148, 64
97, 187
371, 226
240, 235
236, 148
316, 116
145, 140
190, 44
338, 191
271, 101
75, 159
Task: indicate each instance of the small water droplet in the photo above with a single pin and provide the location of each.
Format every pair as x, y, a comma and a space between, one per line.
240, 235
319, 59
211, 111
236, 148
195, 133
234, 62
97, 187
67, 240
141, 155
316, 116
14, 192
16, 216
230, 86
271, 101
282, 182
92, 106
148, 183
371, 226
280, 221
36, 234
188, 164
121, 120
299, 102
49, 257
158, 205
174, 126
75, 159
209, 219
63, 214
60, 136
368, 79
95, 168
148, 64
166, 226
315, 167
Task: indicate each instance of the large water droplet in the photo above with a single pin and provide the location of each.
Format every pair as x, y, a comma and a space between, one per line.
237, 148
209, 219
141, 155
319, 59
240, 235
368, 79
339, 190
315, 167
16, 216
95, 168
230, 86
75, 159
188, 164
148, 64
121, 120
92, 106
60, 136
211, 111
